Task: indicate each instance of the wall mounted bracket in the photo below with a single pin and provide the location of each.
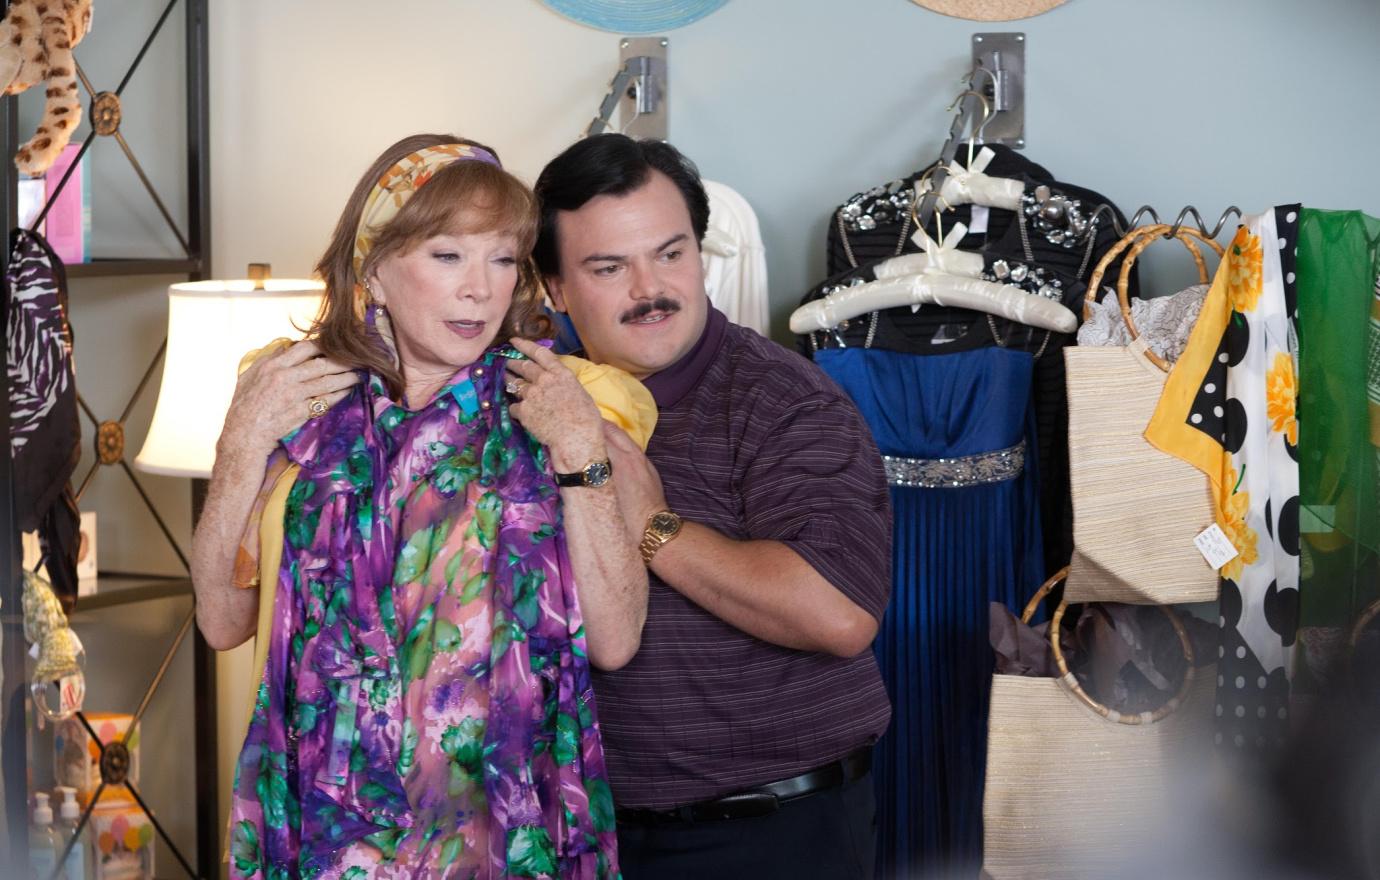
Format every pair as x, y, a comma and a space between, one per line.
999, 73
638, 91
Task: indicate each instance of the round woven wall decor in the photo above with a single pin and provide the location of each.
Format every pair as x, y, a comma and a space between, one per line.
990, 10
634, 16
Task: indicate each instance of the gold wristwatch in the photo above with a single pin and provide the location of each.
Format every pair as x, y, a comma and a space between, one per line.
662, 526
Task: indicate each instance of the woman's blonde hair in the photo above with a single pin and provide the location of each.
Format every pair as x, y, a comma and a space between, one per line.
466, 196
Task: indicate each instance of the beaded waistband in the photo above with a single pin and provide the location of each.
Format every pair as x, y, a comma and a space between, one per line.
956, 473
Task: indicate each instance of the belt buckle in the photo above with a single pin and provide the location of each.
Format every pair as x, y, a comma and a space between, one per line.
741, 805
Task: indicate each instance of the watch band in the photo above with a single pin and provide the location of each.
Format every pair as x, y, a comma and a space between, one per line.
661, 528
648, 547
594, 475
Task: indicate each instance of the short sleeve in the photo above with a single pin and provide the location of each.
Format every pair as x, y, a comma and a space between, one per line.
246, 575
814, 482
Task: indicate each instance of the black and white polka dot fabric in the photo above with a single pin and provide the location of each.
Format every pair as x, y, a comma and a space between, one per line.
1259, 607
1229, 408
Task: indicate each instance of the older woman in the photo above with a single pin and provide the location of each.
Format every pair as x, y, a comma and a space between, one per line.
430, 594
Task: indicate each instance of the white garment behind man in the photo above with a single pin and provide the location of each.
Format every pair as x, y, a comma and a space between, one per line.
735, 262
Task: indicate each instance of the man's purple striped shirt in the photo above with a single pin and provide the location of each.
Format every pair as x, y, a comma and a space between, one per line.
756, 442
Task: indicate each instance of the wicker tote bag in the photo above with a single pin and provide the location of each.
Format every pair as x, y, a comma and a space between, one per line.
1074, 788
1136, 510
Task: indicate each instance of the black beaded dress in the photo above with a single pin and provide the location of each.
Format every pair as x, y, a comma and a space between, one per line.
971, 414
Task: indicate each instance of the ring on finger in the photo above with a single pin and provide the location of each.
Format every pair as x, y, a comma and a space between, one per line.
514, 387
317, 407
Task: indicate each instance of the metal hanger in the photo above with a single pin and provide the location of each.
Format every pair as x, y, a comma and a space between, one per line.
976, 130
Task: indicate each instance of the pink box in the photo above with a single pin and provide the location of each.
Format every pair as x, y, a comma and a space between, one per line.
69, 218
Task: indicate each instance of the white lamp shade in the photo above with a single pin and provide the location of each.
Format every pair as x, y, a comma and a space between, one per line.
211, 326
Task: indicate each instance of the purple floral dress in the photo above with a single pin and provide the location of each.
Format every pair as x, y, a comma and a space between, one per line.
426, 709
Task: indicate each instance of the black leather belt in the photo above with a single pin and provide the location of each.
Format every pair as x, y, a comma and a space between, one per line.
761, 800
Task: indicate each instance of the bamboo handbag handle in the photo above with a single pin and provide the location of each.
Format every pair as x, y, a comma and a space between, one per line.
1070, 681
1116, 250
1369, 614
1185, 235
1138, 240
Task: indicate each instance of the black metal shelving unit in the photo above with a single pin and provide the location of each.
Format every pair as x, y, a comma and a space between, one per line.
116, 588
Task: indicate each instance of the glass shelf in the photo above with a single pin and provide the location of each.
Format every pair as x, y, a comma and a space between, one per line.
99, 268
124, 589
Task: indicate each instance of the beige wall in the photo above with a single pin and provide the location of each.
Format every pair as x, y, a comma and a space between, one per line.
306, 94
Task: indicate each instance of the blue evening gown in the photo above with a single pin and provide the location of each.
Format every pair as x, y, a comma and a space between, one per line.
956, 548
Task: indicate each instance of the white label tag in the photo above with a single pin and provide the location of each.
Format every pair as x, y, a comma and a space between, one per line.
978, 222
1215, 546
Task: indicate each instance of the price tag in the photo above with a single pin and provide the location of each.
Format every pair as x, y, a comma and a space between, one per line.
71, 693
1215, 546
978, 221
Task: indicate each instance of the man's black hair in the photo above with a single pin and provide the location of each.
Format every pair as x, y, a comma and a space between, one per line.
610, 164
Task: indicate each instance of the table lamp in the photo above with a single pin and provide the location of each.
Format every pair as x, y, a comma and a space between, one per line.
211, 326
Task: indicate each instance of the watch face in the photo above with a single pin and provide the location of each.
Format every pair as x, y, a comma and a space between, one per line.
665, 523
597, 474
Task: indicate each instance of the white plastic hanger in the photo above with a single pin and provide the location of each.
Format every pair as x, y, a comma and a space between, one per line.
1005, 300
937, 256
970, 185
942, 275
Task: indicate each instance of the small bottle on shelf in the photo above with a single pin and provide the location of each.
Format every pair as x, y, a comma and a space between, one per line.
77, 865
42, 849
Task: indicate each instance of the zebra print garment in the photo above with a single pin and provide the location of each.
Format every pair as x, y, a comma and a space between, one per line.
44, 433
40, 338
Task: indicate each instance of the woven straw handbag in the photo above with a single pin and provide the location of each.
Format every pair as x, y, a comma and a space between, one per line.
1136, 510
1074, 788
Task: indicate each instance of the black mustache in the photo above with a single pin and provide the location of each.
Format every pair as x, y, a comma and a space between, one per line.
645, 308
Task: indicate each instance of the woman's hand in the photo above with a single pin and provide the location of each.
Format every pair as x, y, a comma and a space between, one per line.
612, 582
271, 400
555, 408
273, 397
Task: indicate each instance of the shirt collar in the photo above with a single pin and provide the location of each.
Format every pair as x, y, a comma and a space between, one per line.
671, 384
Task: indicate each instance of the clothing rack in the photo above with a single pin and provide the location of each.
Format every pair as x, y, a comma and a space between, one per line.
1146, 211
967, 102
617, 85
640, 86
974, 97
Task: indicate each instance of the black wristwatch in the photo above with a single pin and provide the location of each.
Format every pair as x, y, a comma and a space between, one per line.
593, 475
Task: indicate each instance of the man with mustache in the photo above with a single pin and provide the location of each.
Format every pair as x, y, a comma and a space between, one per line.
739, 737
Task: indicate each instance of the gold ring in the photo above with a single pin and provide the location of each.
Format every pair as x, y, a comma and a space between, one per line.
316, 408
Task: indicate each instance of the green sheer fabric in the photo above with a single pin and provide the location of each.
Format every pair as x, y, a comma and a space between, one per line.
1339, 483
